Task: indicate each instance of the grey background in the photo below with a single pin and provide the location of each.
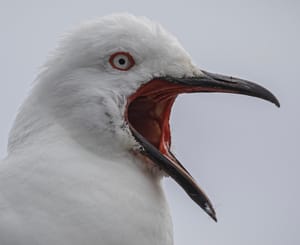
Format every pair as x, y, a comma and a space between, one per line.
243, 151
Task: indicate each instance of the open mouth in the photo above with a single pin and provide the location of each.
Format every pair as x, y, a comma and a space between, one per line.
148, 113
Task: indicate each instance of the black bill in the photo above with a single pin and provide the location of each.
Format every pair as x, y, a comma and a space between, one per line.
170, 86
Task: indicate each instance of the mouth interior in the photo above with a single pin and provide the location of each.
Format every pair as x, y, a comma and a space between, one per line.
148, 111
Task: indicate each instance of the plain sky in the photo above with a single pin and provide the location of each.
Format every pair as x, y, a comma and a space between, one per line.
244, 152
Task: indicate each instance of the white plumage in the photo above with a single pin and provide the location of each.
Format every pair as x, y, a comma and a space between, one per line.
68, 177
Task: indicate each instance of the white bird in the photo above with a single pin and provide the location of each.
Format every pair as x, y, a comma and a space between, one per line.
91, 143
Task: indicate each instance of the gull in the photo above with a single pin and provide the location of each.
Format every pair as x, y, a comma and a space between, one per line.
91, 143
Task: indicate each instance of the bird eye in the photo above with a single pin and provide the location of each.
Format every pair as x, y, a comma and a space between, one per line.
122, 61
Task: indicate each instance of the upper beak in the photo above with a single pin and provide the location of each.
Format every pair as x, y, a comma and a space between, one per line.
211, 82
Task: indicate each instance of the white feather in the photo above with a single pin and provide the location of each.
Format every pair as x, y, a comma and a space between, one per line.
69, 177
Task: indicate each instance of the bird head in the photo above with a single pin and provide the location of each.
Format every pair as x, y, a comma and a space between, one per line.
116, 79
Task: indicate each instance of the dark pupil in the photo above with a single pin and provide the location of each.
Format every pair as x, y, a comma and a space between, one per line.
122, 61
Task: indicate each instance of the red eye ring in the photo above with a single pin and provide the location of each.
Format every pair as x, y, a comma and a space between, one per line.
122, 61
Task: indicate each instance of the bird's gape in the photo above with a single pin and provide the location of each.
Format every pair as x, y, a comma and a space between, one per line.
148, 111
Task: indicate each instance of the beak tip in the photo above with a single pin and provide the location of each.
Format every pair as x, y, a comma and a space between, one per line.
211, 212
214, 217
273, 99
